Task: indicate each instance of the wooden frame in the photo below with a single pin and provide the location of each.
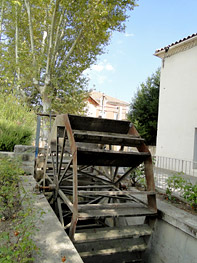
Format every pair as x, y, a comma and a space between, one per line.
76, 136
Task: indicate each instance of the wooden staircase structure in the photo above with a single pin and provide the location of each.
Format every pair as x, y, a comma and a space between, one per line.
83, 178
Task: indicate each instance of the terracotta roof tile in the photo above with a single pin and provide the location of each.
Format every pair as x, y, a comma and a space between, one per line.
175, 43
96, 95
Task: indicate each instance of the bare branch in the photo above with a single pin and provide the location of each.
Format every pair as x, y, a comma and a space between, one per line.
1, 16
47, 77
73, 45
57, 37
16, 43
27, 4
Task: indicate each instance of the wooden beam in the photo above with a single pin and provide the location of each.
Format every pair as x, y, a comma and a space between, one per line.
66, 200
138, 211
107, 138
116, 193
115, 206
107, 233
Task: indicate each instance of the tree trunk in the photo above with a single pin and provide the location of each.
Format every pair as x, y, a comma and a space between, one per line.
46, 104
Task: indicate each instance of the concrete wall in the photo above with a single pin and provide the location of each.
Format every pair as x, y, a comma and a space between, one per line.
174, 238
50, 237
177, 105
170, 245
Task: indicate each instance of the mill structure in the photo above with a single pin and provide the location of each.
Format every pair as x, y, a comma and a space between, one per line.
86, 174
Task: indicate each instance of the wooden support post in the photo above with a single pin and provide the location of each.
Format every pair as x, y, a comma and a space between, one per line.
149, 175
75, 178
75, 198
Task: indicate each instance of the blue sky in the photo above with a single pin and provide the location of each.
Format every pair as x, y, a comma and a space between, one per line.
129, 59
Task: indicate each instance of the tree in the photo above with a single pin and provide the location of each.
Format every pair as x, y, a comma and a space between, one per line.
144, 108
47, 44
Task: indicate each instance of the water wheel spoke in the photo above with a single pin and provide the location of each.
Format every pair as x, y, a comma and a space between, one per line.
53, 163
57, 153
95, 177
124, 175
60, 211
65, 200
63, 176
62, 153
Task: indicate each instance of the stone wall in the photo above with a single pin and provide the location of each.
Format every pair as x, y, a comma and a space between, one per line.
26, 155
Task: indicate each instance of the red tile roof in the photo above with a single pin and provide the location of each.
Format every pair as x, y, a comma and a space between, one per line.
177, 42
96, 95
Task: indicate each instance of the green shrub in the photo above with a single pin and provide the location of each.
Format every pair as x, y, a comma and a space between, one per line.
137, 177
13, 111
9, 177
17, 123
186, 189
18, 224
12, 134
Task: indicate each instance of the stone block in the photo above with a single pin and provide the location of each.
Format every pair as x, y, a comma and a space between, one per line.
24, 149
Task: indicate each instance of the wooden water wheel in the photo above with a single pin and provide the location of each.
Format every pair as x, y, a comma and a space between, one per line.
87, 160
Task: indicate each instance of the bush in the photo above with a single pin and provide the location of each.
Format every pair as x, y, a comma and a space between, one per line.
12, 134
137, 177
17, 123
9, 177
17, 226
186, 189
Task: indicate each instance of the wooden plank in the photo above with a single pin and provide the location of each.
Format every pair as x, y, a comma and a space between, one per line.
107, 233
111, 251
116, 193
100, 125
138, 211
91, 186
107, 138
110, 158
110, 206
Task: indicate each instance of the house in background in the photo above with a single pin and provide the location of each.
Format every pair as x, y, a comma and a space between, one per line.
104, 106
177, 120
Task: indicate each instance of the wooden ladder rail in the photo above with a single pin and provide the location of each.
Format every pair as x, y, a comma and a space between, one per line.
148, 170
73, 148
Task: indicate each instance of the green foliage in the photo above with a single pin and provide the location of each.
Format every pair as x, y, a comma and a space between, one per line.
12, 110
13, 134
9, 176
144, 108
186, 189
16, 244
47, 45
17, 123
137, 177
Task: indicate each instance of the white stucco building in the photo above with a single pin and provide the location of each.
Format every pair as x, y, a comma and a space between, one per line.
177, 121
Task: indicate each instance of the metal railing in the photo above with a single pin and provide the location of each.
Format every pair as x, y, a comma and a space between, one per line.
176, 165
164, 167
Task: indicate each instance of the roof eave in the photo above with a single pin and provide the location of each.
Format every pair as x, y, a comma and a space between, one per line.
162, 52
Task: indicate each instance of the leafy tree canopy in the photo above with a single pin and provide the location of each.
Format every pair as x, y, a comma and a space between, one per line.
144, 108
45, 45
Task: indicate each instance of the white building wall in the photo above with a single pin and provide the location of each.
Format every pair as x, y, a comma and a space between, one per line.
178, 106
